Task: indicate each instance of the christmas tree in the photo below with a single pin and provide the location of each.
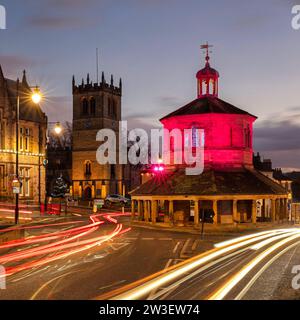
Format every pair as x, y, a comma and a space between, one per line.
60, 188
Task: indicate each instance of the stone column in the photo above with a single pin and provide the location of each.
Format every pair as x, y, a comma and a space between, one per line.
132, 210
171, 211
273, 210
285, 210
146, 210
254, 211
235, 217
140, 210
263, 209
215, 209
153, 211
196, 216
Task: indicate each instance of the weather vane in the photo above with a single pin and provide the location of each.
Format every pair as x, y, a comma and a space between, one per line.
206, 47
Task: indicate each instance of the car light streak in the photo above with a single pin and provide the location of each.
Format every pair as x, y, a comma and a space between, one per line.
264, 243
83, 245
41, 226
221, 293
47, 237
266, 266
250, 236
58, 249
145, 286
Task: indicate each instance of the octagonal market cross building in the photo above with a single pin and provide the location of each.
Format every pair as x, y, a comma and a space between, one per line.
229, 184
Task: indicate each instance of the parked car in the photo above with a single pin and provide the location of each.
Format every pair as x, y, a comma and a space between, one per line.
116, 199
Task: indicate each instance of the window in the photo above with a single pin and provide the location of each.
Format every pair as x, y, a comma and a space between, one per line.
2, 178
85, 106
25, 179
24, 139
93, 106
88, 168
113, 172
247, 137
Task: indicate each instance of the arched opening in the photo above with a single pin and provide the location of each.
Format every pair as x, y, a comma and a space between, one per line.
85, 106
93, 106
88, 193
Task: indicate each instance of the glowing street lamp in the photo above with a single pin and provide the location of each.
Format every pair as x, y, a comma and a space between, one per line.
58, 128
36, 96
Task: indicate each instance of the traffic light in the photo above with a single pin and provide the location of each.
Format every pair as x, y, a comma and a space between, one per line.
207, 215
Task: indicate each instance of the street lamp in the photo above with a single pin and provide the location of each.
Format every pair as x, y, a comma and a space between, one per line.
36, 98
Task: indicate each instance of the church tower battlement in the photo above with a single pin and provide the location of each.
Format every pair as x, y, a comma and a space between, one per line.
96, 106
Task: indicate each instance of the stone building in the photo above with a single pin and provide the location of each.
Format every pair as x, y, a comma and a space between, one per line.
229, 185
95, 106
32, 142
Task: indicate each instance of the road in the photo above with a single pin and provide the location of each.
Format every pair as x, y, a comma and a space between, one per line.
102, 257
256, 266
77, 258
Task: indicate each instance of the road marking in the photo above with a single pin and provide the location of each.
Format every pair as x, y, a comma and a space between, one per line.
165, 239
176, 247
112, 285
195, 244
47, 283
185, 246
147, 239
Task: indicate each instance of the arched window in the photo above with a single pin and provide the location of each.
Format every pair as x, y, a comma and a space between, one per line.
85, 106
109, 107
114, 109
88, 168
93, 106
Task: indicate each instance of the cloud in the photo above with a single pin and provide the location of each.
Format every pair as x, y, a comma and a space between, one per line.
13, 65
279, 138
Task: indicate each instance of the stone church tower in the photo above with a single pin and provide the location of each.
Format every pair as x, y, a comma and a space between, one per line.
95, 106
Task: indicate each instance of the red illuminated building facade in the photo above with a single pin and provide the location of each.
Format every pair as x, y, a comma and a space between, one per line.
229, 185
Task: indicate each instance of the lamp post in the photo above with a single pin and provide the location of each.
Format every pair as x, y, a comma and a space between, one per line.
57, 129
36, 98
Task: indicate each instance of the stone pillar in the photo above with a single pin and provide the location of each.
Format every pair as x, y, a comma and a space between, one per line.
235, 217
277, 210
132, 210
171, 211
215, 209
140, 210
254, 211
263, 209
285, 210
196, 216
273, 210
146, 210
153, 211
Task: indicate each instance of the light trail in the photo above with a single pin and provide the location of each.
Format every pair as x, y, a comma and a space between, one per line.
41, 226
89, 244
69, 246
263, 269
143, 287
221, 293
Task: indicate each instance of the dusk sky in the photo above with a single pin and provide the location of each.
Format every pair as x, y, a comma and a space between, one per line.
154, 45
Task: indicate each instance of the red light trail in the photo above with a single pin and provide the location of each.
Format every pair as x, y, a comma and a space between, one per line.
59, 249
